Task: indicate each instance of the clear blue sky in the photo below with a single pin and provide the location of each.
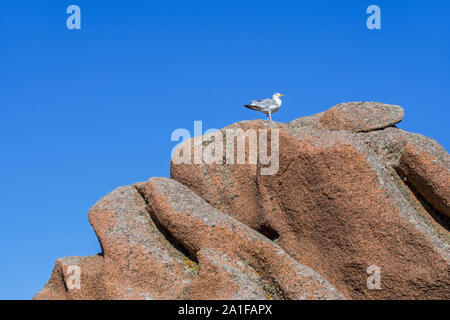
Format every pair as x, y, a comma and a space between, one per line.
83, 112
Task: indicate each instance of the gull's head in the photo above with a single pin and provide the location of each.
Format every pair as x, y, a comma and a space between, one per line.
277, 95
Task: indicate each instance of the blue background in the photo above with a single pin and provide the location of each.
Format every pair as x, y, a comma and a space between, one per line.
83, 112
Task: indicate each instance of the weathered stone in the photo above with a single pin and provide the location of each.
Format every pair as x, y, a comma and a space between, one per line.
350, 192
161, 241
63, 283
420, 160
198, 226
338, 211
231, 188
361, 116
337, 207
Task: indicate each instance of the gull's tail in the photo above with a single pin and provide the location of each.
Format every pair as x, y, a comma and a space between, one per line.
252, 107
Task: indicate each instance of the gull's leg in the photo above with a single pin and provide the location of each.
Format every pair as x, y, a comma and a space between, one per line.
270, 116
267, 116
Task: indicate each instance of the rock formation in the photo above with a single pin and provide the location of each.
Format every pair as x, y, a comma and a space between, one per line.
351, 191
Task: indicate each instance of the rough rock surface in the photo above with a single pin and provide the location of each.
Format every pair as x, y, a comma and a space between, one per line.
361, 116
350, 191
199, 226
337, 210
161, 241
420, 160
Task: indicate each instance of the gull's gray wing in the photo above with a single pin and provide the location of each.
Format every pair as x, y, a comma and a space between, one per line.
265, 103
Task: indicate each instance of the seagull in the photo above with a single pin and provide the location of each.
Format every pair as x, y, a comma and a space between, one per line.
267, 106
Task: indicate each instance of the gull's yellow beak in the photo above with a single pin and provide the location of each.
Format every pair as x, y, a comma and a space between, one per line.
281, 95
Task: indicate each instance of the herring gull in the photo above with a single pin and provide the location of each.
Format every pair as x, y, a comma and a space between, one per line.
267, 106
